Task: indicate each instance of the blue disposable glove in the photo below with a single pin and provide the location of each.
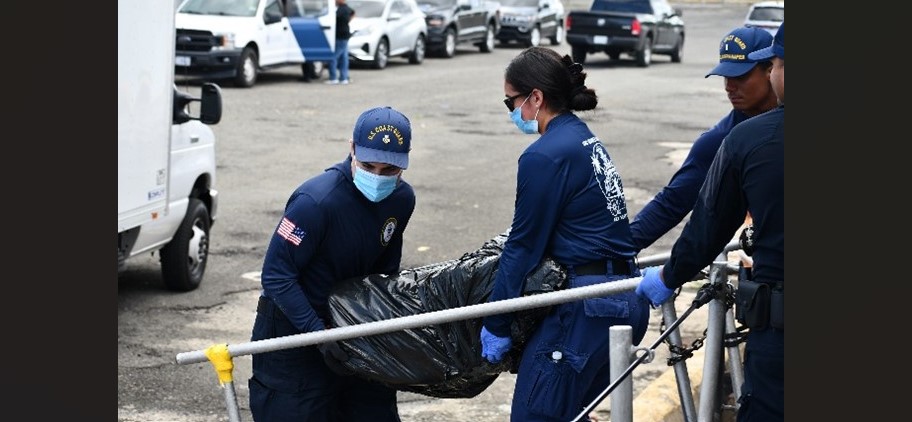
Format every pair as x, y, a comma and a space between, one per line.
652, 288
493, 348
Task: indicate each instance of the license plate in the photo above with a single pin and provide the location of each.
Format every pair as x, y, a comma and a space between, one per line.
182, 61
600, 39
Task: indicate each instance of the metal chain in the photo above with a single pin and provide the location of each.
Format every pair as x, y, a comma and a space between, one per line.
724, 292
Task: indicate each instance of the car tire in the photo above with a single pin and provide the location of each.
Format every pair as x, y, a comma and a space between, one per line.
534, 37
487, 45
579, 54
644, 55
678, 51
184, 258
419, 50
448, 49
246, 74
558, 36
312, 70
381, 55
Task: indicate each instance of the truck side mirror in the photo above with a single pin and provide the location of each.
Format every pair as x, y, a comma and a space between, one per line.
211, 104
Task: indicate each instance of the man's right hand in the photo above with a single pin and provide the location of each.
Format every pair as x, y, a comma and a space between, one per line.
652, 288
334, 357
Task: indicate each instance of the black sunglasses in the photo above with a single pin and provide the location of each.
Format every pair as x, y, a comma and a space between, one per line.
509, 101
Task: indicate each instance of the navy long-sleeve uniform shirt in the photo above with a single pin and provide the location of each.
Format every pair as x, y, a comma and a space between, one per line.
330, 232
748, 174
569, 205
671, 205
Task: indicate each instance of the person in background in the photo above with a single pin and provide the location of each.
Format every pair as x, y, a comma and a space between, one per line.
338, 67
747, 175
345, 222
570, 206
750, 93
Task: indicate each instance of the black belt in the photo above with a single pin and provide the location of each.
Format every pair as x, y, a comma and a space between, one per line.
606, 267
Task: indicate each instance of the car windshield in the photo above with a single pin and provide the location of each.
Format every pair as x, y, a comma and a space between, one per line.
367, 8
776, 14
519, 3
437, 3
220, 7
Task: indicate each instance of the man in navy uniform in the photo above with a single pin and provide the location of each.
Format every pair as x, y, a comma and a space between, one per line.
750, 93
345, 222
747, 175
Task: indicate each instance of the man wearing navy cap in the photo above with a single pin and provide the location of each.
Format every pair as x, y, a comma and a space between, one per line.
345, 222
749, 91
747, 175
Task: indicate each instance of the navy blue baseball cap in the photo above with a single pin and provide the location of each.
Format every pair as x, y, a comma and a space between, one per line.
776, 48
735, 49
383, 135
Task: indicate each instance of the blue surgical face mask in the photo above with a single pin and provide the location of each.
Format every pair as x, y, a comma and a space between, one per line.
529, 127
375, 187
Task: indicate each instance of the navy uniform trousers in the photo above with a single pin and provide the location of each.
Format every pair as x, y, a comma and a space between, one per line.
295, 385
565, 364
763, 391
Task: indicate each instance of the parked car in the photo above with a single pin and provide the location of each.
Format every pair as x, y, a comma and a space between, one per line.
766, 14
528, 21
452, 22
382, 29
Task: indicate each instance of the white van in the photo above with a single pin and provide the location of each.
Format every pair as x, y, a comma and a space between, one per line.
237, 39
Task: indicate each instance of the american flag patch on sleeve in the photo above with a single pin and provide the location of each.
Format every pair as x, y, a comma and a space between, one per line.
290, 232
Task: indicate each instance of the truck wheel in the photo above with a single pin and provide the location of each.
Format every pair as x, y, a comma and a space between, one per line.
488, 45
534, 38
558, 36
579, 54
381, 56
247, 69
449, 43
418, 51
312, 70
644, 56
183, 259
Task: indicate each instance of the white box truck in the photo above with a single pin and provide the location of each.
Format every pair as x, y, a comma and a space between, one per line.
166, 196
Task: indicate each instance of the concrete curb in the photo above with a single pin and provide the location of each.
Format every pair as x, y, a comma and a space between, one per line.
660, 401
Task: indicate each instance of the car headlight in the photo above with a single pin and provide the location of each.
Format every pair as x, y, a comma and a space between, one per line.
364, 31
224, 41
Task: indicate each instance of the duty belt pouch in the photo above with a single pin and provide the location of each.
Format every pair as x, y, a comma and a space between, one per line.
752, 303
777, 309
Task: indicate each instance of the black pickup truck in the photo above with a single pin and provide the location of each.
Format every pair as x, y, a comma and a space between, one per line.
639, 28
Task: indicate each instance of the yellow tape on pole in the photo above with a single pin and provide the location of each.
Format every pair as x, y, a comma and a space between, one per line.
221, 360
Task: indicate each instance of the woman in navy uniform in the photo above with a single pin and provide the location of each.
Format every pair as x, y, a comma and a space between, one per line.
569, 206
345, 222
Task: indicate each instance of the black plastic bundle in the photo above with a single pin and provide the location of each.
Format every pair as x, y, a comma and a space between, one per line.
442, 360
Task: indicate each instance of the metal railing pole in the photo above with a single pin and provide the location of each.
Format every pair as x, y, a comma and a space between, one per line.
685, 392
715, 335
620, 350
734, 359
231, 402
419, 320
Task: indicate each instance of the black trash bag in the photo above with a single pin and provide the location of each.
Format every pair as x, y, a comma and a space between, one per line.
442, 360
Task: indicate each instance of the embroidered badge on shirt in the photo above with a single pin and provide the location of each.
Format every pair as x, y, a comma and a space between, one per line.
389, 227
290, 232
